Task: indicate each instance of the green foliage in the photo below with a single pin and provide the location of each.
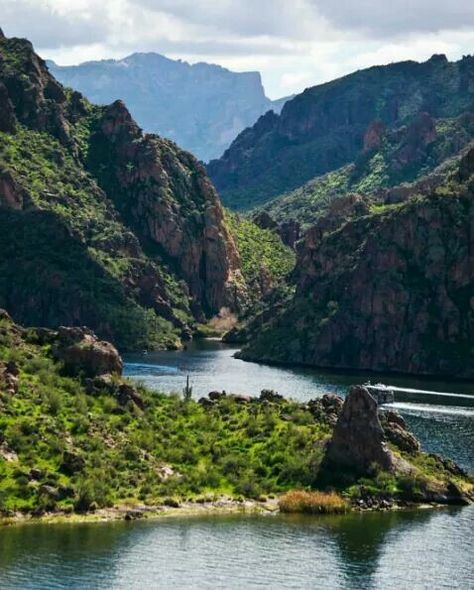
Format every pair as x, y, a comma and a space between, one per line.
262, 252
172, 449
75, 222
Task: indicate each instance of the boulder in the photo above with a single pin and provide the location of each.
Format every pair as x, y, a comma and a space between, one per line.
81, 352
358, 440
395, 429
401, 438
128, 393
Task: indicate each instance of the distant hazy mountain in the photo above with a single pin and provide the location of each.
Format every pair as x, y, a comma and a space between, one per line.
201, 107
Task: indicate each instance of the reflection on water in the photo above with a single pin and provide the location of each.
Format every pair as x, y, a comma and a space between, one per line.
443, 424
416, 550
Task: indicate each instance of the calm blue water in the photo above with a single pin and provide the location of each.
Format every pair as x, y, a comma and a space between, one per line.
419, 550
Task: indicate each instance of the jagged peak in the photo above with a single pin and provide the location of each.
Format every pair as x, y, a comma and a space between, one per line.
2, 35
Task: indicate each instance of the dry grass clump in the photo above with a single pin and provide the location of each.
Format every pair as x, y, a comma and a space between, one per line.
312, 502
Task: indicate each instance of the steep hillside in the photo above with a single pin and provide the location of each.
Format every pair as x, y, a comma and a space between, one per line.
101, 224
405, 155
387, 290
266, 260
202, 107
324, 128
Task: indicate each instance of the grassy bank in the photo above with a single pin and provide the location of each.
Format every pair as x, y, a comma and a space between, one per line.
68, 446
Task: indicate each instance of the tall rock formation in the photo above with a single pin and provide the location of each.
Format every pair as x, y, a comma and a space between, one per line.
358, 441
164, 195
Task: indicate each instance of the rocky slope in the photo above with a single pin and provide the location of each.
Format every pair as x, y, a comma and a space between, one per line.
77, 437
387, 290
201, 107
330, 125
100, 223
422, 151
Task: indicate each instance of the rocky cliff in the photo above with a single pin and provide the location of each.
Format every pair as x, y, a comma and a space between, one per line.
330, 125
202, 107
101, 224
389, 290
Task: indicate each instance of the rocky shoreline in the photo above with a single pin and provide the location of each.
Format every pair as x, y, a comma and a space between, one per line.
221, 507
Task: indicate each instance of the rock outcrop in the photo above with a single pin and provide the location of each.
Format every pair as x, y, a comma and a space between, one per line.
26, 87
84, 354
396, 431
358, 441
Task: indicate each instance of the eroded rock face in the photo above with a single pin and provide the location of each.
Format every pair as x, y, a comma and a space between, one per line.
386, 292
358, 441
165, 196
81, 352
37, 99
374, 135
12, 195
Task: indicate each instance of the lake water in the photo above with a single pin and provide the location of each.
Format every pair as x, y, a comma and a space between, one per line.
415, 550
424, 550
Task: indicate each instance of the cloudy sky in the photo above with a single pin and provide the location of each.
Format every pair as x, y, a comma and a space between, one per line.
295, 44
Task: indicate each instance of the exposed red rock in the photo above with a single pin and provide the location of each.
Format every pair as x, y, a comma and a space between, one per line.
374, 135
166, 197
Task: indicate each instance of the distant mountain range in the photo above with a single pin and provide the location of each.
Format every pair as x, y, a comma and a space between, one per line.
202, 107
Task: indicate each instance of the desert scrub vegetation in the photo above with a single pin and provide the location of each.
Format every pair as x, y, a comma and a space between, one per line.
62, 447
310, 502
65, 445
71, 219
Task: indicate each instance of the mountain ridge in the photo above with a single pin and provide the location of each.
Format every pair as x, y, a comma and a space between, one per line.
201, 106
384, 287
131, 282
323, 128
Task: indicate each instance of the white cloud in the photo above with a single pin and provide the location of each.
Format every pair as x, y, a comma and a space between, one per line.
294, 44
